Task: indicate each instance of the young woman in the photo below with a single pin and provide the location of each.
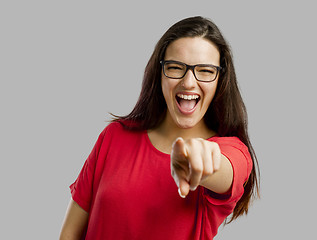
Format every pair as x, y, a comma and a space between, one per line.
181, 162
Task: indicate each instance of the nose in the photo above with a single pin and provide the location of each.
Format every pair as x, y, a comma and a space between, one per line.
189, 80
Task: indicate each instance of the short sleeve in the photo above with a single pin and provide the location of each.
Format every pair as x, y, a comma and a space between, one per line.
241, 161
82, 188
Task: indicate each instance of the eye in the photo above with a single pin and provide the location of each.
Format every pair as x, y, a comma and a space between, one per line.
174, 67
206, 70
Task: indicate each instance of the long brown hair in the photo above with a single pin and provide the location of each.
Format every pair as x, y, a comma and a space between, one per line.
226, 114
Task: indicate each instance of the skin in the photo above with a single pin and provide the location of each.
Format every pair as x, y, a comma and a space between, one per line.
76, 220
194, 160
191, 51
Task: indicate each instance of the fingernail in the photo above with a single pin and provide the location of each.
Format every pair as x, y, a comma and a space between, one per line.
180, 194
179, 138
193, 188
176, 141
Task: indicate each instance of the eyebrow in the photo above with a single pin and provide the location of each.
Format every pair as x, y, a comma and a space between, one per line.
199, 64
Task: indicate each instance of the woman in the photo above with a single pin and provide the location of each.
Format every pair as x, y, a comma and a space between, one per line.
181, 162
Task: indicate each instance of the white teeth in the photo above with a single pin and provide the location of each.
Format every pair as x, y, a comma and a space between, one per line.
187, 97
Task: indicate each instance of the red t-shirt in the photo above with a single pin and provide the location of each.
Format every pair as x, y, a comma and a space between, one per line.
126, 187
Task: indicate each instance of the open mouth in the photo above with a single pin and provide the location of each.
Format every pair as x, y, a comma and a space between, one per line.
187, 102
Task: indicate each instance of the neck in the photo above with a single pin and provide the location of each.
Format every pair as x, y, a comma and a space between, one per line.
164, 135
171, 131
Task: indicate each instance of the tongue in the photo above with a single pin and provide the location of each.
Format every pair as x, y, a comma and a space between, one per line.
187, 105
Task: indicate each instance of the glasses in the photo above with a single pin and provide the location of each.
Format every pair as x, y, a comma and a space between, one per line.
202, 72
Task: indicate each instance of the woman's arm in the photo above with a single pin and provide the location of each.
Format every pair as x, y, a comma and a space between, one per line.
75, 222
220, 181
199, 162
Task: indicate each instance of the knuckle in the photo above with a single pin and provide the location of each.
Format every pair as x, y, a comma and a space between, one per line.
191, 141
195, 141
208, 171
215, 145
206, 144
197, 168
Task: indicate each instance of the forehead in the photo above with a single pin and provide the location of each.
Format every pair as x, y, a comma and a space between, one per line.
192, 51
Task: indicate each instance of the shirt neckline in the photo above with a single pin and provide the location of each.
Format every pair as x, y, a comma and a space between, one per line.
150, 144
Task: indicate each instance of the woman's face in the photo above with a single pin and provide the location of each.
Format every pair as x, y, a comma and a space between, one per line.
188, 99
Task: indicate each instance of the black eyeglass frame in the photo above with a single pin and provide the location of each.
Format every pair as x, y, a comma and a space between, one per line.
190, 67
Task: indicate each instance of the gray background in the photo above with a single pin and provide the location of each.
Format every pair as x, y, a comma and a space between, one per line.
65, 64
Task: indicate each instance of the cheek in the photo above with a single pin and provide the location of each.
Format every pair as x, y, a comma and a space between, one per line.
167, 89
210, 93
164, 88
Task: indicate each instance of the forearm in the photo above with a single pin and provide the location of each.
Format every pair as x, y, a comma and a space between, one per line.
75, 222
221, 180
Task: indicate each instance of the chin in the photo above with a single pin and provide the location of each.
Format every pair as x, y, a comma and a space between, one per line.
186, 124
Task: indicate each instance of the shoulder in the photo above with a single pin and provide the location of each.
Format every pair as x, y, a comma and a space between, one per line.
235, 150
123, 125
119, 130
111, 130
115, 127
231, 143
228, 141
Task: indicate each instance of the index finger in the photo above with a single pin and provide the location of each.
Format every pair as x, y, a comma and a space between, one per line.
178, 149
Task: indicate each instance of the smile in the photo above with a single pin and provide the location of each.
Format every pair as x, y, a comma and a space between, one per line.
187, 103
